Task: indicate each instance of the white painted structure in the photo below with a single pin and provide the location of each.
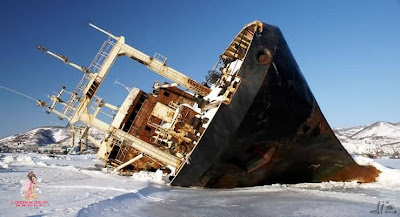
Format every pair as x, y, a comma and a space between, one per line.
83, 106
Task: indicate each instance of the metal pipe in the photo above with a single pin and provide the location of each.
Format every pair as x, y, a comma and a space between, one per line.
129, 162
94, 141
103, 31
112, 107
63, 58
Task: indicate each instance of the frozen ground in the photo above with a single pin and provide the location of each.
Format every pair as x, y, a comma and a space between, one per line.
75, 186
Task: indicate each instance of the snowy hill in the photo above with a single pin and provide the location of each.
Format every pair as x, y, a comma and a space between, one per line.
375, 140
379, 130
42, 136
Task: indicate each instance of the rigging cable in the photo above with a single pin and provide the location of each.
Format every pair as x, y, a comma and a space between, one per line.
14, 91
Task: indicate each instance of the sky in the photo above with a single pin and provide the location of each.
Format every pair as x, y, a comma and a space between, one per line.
348, 51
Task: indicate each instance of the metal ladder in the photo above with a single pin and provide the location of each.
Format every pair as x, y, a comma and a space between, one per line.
139, 118
123, 151
94, 67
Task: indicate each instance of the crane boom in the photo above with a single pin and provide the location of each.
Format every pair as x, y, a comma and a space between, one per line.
159, 67
162, 69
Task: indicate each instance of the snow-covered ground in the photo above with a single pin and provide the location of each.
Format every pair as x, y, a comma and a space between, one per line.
77, 186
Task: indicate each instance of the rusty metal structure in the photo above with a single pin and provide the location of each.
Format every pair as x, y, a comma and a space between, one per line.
256, 123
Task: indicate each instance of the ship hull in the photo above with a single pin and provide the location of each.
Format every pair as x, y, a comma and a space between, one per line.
273, 130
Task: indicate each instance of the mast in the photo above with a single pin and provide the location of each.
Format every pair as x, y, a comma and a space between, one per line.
83, 106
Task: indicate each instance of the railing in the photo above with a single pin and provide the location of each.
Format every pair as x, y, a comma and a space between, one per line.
102, 55
139, 118
94, 67
160, 58
96, 103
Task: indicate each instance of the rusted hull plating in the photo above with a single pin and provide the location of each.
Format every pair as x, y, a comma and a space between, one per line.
273, 130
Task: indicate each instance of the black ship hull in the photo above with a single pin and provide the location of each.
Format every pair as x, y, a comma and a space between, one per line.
273, 130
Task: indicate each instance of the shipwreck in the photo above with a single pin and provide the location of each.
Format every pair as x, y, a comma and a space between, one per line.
254, 122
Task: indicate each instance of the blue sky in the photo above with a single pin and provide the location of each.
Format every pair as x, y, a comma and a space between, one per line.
349, 51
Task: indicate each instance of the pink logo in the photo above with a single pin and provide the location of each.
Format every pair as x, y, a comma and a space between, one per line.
29, 203
29, 191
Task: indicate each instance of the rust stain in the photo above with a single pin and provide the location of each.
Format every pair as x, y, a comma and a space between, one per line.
264, 59
361, 174
264, 160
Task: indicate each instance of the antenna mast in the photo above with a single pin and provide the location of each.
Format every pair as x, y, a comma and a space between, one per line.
123, 85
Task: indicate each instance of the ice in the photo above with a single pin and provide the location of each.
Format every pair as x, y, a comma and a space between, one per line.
73, 187
390, 163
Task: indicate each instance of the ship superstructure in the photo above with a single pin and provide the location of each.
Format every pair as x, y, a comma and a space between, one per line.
240, 130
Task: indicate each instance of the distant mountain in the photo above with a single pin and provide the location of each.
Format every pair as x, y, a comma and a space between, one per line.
379, 130
43, 136
375, 140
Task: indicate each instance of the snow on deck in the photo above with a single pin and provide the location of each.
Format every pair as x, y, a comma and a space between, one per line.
77, 186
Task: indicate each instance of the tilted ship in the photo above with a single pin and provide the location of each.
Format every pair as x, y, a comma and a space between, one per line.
254, 122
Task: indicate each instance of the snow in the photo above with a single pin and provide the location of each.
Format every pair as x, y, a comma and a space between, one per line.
235, 66
379, 129
60, 135
24, 160
144, 176
76, 186
43, 136
213, 95
378, 139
